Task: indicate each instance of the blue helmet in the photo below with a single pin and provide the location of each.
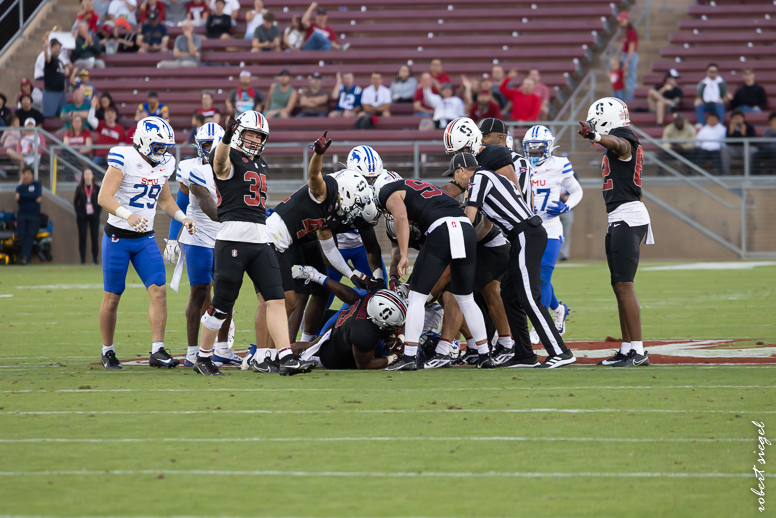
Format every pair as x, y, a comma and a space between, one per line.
538, 144
208, 132
154, 139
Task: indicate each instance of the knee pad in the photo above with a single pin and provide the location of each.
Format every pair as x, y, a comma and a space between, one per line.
213, 318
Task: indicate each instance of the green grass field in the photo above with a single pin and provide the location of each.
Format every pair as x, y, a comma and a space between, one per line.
583, 441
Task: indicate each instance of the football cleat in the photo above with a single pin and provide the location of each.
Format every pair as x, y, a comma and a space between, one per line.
162, 358
247, 361
307, 273
227, 357
517, 363
290, 366
559, 315
438, 361
109, 361
268, 366
559, 360
535, 339
190, 361
633, 359
206, 367
405, 363
469, 358
486, 362
618, 356
502, 355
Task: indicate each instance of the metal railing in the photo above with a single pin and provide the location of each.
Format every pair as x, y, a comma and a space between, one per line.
15, 19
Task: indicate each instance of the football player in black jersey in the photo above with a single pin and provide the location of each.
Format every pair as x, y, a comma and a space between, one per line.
450, 241
629, 222
243, 242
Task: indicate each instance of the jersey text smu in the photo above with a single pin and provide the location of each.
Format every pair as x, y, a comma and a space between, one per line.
150, 181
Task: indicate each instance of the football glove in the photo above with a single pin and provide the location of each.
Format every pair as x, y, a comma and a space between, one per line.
394, 283
172, 251
557, 208
588, 132
231, 126
321, 145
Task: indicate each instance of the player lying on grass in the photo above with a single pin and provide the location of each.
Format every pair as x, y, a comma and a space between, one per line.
365, 322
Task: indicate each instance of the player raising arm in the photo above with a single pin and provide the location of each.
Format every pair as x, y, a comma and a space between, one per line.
136, 181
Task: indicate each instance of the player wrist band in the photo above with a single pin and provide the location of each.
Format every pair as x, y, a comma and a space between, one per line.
179, 216
597, 137
123, 213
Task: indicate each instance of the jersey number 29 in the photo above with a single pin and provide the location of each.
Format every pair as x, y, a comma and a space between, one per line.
151, 190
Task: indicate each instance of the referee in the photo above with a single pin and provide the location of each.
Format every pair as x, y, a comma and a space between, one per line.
501, 201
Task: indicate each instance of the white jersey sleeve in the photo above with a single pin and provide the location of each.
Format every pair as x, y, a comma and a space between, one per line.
194, 172
141, 186
546, 185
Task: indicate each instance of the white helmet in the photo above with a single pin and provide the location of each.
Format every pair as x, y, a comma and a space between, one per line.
353, 191
366, 161
538, 144
382, 180
210, 132
608, 113
462, 133
251, 121
154, 139
390, 229
387, 309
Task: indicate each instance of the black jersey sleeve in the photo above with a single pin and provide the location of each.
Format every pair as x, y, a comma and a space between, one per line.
627, 134
493, 158
366, 335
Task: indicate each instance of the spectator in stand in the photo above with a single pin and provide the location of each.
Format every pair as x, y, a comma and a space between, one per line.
231, 7
123, 10
219, 24
244, 97
404, 86
197, 11
104, 102
153, 36
197, 121
151, 6
101, 9
25, 149
54, 72
5, 112
187, 49
80, 79
10, 139
267, 35
615, 78
679, 129
87, 213
77, 107
130, 135
40, 62
152, 108
438, 76
484, 108
27, 111
446, 106
766, 151
318, 35
175, 11
711, 95
709, 142
28, 195
282, 97
87, 48
254, 19
376, 98
750, 97
88, 15
526, 105
543, 92
78, 136
630, 54
293, 36
348, 96
487, 84
419, 105
126, 39
208, 111
108, 132
738, 128
314, 101
666, 96
35, 94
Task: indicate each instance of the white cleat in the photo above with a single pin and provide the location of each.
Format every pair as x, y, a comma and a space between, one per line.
535, 337
226, 356
559, 315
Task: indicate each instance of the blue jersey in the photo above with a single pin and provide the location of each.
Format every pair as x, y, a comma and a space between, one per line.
349, 98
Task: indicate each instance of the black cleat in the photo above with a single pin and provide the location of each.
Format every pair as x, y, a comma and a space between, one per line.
162, 358
290, 366
206, 367
438, 361
470, 358
618, 357
559, 360
484, 361
517, 363
633, 359
109, 361
502, 355
268, 366
405, 363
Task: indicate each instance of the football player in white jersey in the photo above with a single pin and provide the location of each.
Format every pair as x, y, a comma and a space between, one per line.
551, 175
195, 176
135, 183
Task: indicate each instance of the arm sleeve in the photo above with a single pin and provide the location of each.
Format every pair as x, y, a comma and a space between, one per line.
431, 98
573, 188
183, 203
335, 258
92, 119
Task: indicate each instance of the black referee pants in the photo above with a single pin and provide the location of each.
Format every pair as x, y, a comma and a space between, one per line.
522, 293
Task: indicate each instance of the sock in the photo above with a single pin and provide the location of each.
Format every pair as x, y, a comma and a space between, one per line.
273, 354
308, 337
106, 348
443, 347
192, 351
506, 341
261, 354
284, 352
638, 347
319, 278
471, 345
221, 347
625, 347
205, 353
473, 316
411, 350
483, 348
416, 315
155, 346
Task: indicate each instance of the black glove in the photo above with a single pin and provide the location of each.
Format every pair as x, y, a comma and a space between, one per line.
587, 130
358, 282
394, 282
321, 145
231, 126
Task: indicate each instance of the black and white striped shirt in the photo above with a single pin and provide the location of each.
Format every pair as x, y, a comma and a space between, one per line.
523, 173
500, 199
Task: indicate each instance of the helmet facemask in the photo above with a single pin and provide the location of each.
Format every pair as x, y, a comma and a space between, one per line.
537, 151
251, 146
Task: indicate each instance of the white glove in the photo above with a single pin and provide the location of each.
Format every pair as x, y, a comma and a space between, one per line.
172, 251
